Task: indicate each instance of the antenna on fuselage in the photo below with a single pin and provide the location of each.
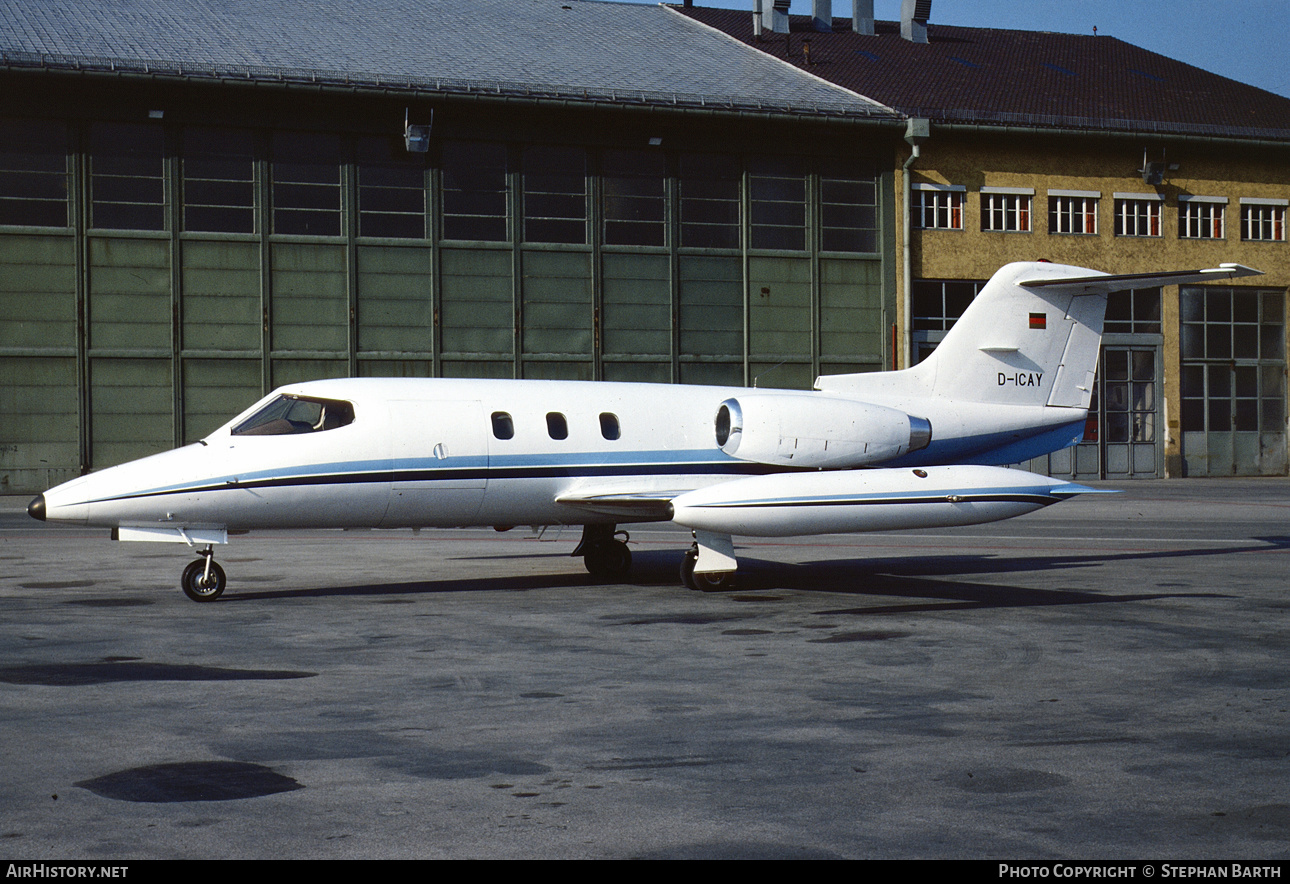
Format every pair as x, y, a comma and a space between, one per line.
767, 371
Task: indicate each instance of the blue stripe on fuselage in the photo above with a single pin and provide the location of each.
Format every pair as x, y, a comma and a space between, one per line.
993, 449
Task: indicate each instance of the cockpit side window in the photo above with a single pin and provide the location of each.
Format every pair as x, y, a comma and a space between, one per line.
288, 415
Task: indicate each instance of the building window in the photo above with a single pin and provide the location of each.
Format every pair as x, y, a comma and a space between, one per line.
555, 195
391, 190
938, 303
1072, 212
1201, 217
306, 185
219, 181
937, 208
1006, 210
632, 184
777, 200
127, 177
475, 191
1263, 220
1133, 311
33, 173
849, 210
709, 188
1137, 214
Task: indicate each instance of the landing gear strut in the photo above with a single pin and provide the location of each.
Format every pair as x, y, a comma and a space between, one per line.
604, 555
203, 579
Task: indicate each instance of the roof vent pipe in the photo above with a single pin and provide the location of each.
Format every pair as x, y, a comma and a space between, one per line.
913, 19
757, 16
822, 15
862, 17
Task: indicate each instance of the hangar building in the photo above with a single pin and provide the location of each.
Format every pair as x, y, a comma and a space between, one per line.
201, 201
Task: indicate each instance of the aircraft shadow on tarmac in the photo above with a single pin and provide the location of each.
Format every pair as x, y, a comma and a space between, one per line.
903, 577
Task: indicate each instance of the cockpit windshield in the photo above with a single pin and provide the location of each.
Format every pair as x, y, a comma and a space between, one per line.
288, 414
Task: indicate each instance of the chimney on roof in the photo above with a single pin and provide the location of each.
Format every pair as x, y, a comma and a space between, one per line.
862, 17
913, 19
775, 15
822, 15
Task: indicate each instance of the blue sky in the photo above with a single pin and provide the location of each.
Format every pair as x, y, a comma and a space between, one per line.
1247, 40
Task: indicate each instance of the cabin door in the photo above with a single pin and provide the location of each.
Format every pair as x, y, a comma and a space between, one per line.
439, 463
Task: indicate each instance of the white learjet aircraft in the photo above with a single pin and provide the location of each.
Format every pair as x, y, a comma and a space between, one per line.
862, 452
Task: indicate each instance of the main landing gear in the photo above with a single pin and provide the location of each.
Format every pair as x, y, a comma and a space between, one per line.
710, 581
203, 579
608, 558
709, 565
605, 556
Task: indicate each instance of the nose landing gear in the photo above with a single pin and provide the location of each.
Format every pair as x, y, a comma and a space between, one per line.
203, 579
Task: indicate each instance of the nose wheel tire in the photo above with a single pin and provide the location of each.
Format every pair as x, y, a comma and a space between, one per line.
200, 586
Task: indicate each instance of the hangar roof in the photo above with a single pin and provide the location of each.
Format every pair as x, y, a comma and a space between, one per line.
545, 49
1021, 78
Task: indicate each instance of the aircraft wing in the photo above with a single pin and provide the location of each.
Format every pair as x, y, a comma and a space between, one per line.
637, 506
1116, 282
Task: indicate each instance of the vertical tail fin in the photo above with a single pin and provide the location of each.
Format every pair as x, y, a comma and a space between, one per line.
1030, 337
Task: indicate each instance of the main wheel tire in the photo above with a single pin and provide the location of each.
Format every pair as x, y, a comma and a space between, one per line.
714, 581
200, 590
611, 561
699, 581
687, 569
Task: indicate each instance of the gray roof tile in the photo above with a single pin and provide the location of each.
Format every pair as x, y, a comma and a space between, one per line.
560, 48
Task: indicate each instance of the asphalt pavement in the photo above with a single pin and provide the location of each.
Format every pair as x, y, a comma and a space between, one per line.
1107, 678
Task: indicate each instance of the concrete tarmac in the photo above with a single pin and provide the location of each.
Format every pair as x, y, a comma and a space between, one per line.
1107, 678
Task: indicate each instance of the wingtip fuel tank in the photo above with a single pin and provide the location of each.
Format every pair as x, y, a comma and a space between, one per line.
789, 504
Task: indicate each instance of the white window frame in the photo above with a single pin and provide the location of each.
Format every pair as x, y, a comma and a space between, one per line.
1073, 212
1138, 214
1007, 209
1263, 220
1202, 217
942, 203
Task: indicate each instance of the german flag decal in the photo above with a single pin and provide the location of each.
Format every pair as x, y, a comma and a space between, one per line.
1039, 320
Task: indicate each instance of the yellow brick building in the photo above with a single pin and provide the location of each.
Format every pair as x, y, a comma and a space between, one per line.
1089, 151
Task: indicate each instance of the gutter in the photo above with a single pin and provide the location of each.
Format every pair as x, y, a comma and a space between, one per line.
917, 131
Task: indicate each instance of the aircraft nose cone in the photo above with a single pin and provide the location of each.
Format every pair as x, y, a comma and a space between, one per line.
36, 509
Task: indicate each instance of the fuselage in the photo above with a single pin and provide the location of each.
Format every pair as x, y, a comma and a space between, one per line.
448, 453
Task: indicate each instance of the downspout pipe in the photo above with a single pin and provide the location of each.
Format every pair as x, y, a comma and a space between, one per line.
917, 130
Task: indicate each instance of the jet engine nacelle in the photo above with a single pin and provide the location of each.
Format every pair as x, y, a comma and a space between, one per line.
810, 430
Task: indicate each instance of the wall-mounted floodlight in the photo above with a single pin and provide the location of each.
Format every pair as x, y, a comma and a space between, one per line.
416, 138
1154, 173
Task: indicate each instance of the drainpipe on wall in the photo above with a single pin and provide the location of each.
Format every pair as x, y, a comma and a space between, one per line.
917, 130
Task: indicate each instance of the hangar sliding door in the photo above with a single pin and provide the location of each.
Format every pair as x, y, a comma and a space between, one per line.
1233, 381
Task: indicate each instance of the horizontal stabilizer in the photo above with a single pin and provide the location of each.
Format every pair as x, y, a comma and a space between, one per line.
1117, 282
